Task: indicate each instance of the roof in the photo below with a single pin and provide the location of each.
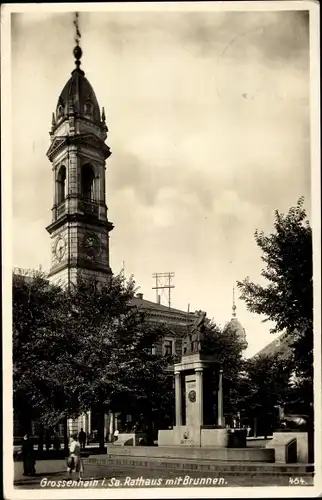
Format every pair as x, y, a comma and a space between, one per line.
78, 97
175, 318
235, 325
79, 93
26, 274
280, 345
148, 304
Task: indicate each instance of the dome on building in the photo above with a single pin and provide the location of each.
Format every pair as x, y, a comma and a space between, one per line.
235, 325
78, 96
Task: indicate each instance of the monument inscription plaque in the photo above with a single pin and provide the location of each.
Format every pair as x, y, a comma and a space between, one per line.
192, 396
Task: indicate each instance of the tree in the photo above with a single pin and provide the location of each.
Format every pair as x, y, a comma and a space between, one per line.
36, 312
265, 383
35, 309
115, 348
81, 347
225, 347
287, 299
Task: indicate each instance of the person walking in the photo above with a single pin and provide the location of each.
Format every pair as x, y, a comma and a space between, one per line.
28, 456
82, 438
115, 435
75, 462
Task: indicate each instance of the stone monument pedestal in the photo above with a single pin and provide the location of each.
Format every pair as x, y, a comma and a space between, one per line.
284, 438
284, 446
189, 399
131, 439
189, 436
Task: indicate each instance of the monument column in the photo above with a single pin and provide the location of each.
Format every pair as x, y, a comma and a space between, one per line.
220, 416
178, 398
199, 387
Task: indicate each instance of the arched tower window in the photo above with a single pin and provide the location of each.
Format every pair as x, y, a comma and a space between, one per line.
88, 182
60, 111
61, 184
88, 109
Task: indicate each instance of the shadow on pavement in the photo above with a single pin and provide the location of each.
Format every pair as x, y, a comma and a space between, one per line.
62, 454
32, 479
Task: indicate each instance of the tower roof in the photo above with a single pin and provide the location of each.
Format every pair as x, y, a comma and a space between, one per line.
78, 95
235, 325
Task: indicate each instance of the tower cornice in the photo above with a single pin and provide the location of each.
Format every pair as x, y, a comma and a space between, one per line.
82, 218
91, 140
56, 124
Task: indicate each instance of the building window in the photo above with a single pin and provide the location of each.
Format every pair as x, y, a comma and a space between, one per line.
88, 182
88, 109
60, 111
61, 184
167, 347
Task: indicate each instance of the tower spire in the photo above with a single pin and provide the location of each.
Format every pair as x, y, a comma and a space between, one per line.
77, 50
234, 305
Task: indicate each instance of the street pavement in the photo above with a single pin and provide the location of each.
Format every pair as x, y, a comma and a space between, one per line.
52, 474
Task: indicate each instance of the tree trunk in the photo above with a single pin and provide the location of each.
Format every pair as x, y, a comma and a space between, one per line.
255, 426
101, 430
41, 438
66, 448
150, 427
265, 425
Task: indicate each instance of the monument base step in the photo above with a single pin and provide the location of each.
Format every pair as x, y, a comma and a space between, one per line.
209, 466
195, 453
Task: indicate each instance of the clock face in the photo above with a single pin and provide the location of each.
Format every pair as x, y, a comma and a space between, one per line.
60, 248
92, 245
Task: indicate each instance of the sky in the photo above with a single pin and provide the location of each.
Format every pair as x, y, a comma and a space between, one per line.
208, 116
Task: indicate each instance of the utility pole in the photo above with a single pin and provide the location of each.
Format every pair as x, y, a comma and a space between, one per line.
163, 282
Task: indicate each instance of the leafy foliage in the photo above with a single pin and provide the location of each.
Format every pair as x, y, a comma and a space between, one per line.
225, 347
81, 347
36, 314
265, 384
287, 300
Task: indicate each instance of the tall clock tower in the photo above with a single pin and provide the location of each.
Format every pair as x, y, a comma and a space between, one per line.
80, 227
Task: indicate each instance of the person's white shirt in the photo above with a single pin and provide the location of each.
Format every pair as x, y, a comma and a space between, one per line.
116, 433
75, 449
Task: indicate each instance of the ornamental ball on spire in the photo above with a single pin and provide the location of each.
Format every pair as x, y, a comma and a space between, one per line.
77, 52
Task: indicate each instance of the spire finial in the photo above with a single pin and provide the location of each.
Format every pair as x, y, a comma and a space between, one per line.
77, 50
234, 305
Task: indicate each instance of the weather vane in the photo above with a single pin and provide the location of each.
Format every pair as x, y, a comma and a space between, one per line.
76, 24
77, 50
